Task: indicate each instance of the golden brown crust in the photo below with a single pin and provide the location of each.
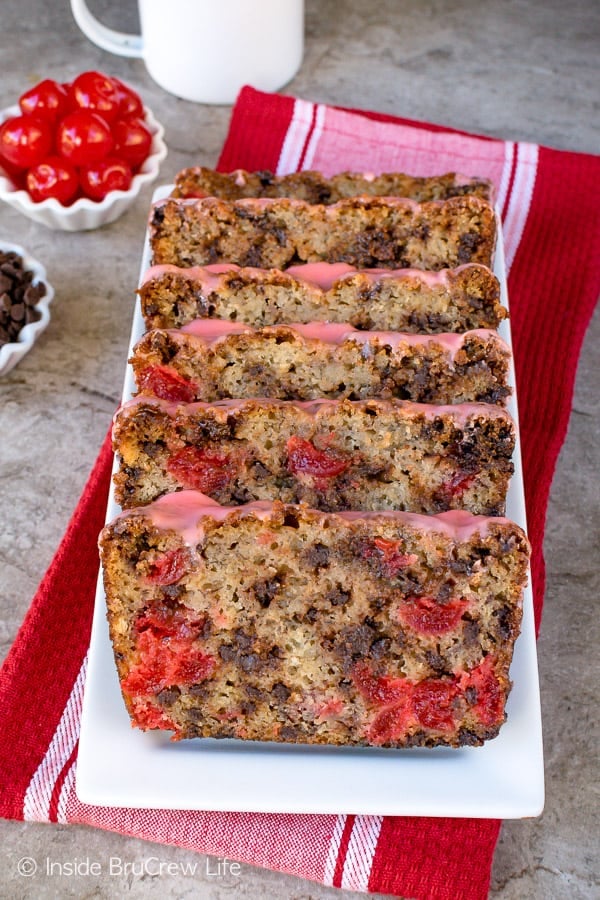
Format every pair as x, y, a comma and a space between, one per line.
314, 187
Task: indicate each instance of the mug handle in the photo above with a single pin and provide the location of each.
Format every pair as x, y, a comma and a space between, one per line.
113, 41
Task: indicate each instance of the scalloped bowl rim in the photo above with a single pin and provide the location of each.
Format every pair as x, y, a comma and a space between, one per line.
20, 199
11, 353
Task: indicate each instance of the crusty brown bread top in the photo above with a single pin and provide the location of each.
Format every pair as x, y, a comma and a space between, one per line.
314, 187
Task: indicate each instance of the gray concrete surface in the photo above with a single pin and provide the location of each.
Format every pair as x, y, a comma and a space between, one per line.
520, 69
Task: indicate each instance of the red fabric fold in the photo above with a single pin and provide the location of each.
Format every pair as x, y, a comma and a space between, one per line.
38, 674
549, 204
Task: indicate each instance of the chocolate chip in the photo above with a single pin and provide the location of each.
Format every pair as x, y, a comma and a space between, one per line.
468, 738
471, 633
33, 294
265, 177
317, 556
253, 692
471, 696
243, 640
338, 597
200, 690
259, 471
281, 691
467, 246
444, 593
18, 297
380, 648
264, 591
206, 630
505, 623
435, 661
288, 733
354, 641
250, 662
168, 696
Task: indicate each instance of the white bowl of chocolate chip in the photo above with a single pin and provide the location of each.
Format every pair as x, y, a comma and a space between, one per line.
25, 297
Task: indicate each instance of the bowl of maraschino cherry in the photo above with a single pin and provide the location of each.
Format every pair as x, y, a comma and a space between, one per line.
75, 156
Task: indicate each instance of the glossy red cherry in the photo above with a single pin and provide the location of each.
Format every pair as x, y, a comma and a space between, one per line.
25, 140
168, 568
133, 141
48, 100
83, 138
97, 92
100, 178
53, 177
130, 103
167, 384
303, 458
200, 469
426, 616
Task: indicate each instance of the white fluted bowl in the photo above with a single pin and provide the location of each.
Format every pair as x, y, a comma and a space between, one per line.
11, 354
85, 214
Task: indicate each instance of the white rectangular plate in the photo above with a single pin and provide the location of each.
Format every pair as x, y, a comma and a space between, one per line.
122, 766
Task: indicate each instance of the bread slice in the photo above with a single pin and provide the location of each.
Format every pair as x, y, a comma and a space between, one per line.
314, 187
273, 622
329, 454
365, 232
214, 360
409, 300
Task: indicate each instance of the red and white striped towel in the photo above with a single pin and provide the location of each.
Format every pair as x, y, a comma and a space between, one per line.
549, 202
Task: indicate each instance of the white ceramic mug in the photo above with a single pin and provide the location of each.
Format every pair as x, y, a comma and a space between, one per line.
206, 50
